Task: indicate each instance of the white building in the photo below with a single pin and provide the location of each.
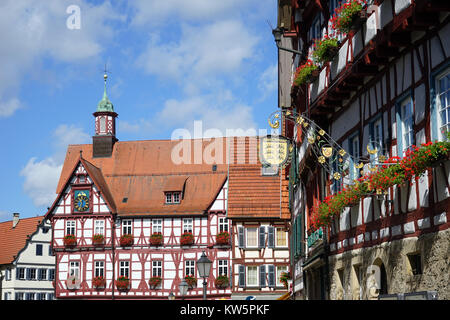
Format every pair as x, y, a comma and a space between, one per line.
27, 266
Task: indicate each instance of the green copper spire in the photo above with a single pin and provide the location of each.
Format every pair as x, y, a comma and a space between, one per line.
105, 104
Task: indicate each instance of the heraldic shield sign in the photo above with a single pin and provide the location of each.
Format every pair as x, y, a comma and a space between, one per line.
275, 151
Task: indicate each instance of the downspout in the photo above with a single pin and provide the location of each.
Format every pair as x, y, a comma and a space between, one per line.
113, 243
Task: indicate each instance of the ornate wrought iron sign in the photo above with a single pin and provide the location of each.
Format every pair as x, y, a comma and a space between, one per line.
275, 151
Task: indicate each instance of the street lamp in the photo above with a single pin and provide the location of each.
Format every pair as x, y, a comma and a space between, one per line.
204, 267
171, 296
183, 287
277, 33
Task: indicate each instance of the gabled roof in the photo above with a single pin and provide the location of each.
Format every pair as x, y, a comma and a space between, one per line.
133, 180
12, 240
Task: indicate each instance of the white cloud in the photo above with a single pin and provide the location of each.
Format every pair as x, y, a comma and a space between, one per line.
268, 81
33, 30
41, 177
201, 54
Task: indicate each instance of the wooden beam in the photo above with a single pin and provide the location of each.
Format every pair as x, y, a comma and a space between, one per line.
433, 5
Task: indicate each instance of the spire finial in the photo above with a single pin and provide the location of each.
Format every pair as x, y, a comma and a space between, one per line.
105, 104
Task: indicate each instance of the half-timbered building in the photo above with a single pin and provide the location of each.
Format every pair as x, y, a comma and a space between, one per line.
387, 83
258, 210
130, 222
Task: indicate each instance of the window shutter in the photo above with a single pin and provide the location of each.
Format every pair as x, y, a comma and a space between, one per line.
271, 237
262, 276
271, 276
241, 276
262, 237
299, 243
17, 275
241, 237
28, 277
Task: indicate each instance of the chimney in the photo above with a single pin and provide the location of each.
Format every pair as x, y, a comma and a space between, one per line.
15, 219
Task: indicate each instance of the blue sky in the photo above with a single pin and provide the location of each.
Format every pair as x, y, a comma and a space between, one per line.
172, 62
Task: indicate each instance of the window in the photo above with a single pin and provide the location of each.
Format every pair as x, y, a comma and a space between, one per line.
124, 269
173, 197
81, 179
354, 153
7, 296
189, 267
45, 230
281, 237
315, 31
157, 268
187, 225
223, 224
443, 104
336, 184
19, 296
222, 267
74, 268
39, 249
126, 227
280, 269
376, 136
252, 237
30, 296
51, 274
252, 276
99, 227
99, 269
42, 274
70, 227
405, 126
415, 262
157, 225
31, 274
20, 273
8, 274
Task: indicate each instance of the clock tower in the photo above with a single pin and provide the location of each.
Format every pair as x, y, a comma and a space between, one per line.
105, 127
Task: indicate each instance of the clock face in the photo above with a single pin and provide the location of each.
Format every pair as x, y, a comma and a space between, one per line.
81, 201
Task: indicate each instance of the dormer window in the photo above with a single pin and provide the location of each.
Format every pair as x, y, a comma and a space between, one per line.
173, 197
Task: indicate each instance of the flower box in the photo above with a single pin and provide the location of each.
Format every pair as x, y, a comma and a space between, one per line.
305, 73
156, 239
222, 282
191, 281
154, 282
99, 282
98, 240
126, 240
73, 283
186, 239
349, 16
325, 49
70, 240
123, 283
223, 238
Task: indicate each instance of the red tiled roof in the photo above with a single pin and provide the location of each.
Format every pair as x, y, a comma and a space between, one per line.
12, 240
142, 170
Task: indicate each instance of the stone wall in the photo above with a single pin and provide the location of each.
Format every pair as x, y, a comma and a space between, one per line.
348, 271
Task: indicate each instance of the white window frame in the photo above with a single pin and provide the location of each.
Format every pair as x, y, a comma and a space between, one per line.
222, 268
99, 227
124, 269
247, 276
247, 230
99, 268
127, 225
71, 227
188, 225
279, 229
157, 268
223, 224
355, 154
189, 268
279, 270
176, 196
439, 106
407, 124
168, 196
74, 268
157, 225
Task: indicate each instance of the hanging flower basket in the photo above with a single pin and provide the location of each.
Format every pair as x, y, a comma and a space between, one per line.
223, 238
191, 281
284, 277
99, 282
70, 241
306, 73
186, 239
126, 240
73, 283
325, 49
221, 282
349, 16
415, 163
123, 283
98, 239
156, 239
154, 282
